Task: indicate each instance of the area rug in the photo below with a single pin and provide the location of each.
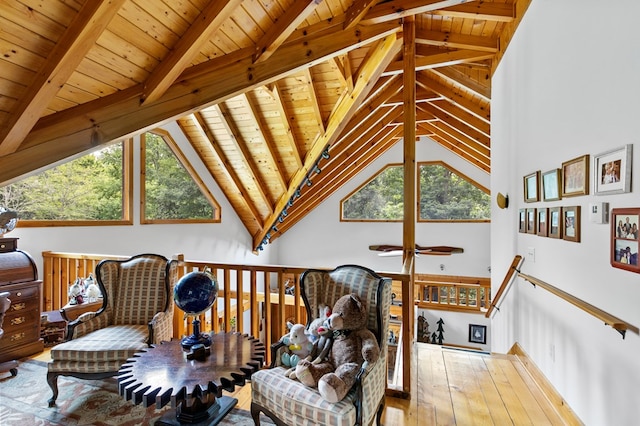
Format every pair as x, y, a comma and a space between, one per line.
23, 401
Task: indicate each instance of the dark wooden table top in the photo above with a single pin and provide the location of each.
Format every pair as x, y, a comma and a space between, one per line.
163, 373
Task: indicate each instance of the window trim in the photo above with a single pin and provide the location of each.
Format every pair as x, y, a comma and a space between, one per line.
457, 172
127, 199
418, 218
173, 146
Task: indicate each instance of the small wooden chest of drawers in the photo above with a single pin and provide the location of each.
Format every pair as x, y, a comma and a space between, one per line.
21, 325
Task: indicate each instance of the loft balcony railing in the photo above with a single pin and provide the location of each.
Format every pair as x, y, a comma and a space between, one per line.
453, 293
253, 299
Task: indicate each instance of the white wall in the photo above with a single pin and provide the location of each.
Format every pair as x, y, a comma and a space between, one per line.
227, 241
320, 239
562, 90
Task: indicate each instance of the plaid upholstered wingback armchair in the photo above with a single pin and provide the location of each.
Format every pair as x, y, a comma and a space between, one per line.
137, 311
289, 402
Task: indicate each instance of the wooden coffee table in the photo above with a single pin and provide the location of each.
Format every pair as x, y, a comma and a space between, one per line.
163, 374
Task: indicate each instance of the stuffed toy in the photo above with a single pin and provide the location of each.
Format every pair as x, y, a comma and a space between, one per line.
298, 344
354, 347
321, 337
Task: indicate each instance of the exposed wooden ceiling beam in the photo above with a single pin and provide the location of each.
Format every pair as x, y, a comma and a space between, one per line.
463, 117
356, 11
457, 41
240, 204
314, 99
252, 174
79, 129
284, 26
458, 147
483, 151
378, 139
257, 117
378, 58
181, 55
459, 97
443, 59
482, 10
462, 127
463, 80
61, 63
397, 9
284, 116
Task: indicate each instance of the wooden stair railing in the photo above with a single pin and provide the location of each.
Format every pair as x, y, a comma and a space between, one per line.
620, 325
515, 264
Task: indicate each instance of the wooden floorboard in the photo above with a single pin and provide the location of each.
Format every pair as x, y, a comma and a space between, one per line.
456, 387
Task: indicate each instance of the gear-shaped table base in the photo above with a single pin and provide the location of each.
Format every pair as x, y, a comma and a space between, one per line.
164, 374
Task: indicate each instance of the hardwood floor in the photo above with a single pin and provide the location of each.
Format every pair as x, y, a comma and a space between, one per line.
455, 387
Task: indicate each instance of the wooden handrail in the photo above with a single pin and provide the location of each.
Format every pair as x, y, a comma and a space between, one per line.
608, 319
515, 264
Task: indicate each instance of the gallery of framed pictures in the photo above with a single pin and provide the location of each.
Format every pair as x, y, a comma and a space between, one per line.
625, 238
554, 222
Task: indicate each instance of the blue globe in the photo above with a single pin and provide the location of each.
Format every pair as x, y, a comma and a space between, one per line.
195, 292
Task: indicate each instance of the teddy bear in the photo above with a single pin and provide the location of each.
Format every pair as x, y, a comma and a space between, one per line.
354, 347
298, 344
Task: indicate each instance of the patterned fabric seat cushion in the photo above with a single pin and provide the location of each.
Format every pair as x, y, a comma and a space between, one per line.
100, 351
272, 390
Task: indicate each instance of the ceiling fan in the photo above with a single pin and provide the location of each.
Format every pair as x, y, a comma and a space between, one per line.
396, 250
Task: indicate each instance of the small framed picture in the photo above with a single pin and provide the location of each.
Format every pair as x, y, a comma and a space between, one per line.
555, 222
612, 171
523, 221
575, 177
531, 185
551, 189
531, 221
478, 334
625, 239
542, 223
571, 223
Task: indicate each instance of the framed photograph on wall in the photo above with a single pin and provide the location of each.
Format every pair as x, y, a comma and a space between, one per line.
531, 187
571, 223
625, 238
531, 221
523, 220
542, 223
478, 334
555, 222
612, 171
575, 177
551, 185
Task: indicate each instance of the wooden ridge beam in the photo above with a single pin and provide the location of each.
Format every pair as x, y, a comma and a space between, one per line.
398, 9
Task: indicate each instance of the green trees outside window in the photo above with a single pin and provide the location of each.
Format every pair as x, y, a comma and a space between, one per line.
444, 195
89, 188
170, 193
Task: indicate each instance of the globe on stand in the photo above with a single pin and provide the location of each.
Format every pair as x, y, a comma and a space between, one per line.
194, 293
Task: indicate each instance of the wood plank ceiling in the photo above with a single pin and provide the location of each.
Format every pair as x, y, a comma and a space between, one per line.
283, 100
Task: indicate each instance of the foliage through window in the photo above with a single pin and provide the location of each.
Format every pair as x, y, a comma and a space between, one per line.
170, 192
89, 188
444, 194
449, 195
381, 198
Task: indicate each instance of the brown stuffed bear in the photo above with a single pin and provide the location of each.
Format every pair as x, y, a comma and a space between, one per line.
354, 346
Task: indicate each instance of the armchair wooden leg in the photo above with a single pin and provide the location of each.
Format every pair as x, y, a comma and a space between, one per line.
52, 380
379, 415
255, 414
10, 366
